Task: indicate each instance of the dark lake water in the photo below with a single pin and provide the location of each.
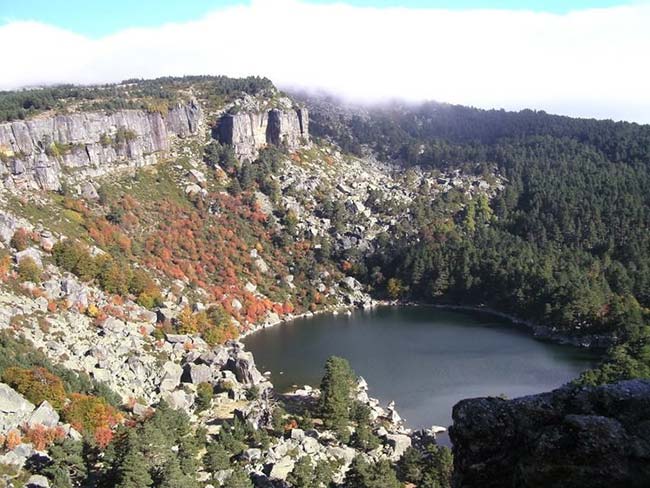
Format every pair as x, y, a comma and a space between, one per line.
426, 359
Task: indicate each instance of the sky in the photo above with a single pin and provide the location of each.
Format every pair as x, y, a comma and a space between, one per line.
586, 58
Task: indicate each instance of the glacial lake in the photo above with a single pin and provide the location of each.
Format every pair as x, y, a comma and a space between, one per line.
424, 358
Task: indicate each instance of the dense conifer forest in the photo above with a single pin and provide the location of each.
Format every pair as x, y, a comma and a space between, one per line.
565, 244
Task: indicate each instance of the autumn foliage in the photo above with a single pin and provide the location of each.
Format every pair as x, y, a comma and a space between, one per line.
92, 415
42, 437
37, 385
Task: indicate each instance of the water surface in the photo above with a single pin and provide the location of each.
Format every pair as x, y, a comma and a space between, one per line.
426, 359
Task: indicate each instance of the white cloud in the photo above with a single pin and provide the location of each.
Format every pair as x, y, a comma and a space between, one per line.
584, 63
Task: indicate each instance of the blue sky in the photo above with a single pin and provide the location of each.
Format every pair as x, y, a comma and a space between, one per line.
95, 18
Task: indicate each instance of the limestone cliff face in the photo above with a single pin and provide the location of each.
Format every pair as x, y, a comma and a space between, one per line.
249, 131
35, 152
571, 437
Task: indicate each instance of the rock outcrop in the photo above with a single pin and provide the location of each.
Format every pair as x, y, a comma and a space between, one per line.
570, 437
249, 131
35, 152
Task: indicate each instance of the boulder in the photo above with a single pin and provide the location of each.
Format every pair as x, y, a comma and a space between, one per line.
261, 265
141, 410
272, 318
393, 416
111, 324
32, 253
178, 338
222, 476
297, 434
197, 176
343, 453
200, 373
243, 365
8, 226
37, 481
171, 377
258, 413
166, 314
281, 469
398, 444
137, 366
14, 408
192, 189
252, 454
350, 283
178, 400
88, 191
310, 445
44, 415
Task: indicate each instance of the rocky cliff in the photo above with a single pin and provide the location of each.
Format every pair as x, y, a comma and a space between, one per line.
570, 437
35, 152
249, 131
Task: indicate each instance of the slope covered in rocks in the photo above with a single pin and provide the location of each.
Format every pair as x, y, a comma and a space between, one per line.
141, 238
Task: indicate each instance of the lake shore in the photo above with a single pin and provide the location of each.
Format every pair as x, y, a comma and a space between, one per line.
539, 331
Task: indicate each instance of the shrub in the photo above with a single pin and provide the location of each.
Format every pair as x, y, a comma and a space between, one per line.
13, 439
204, 395
91, 415
43, 437
5, 265
114, 277
37, 385
20, 240
141, 282
123, 135
67, 253
365, 475
186, 322
28, 270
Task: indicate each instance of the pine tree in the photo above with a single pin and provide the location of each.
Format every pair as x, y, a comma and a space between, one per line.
132, 471
306, 475
216, 458
302, 474
365, 475
238, 479
130, 468
67, 468
173, 477
336, 395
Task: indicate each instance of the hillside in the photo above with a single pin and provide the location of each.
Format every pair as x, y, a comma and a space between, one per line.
146, 226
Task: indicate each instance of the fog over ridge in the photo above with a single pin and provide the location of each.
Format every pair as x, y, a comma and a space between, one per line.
588, 63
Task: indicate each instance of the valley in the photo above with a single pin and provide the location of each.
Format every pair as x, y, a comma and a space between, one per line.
152, 229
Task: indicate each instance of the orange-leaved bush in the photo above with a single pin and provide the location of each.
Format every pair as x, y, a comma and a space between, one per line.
42, 437
92, 415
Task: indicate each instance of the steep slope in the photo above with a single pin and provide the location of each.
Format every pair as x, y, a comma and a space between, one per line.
35, 152
565, 245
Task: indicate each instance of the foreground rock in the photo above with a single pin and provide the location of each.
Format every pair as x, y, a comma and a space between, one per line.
570, 437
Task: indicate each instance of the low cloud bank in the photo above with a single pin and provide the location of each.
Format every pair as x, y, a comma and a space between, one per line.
590, 63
